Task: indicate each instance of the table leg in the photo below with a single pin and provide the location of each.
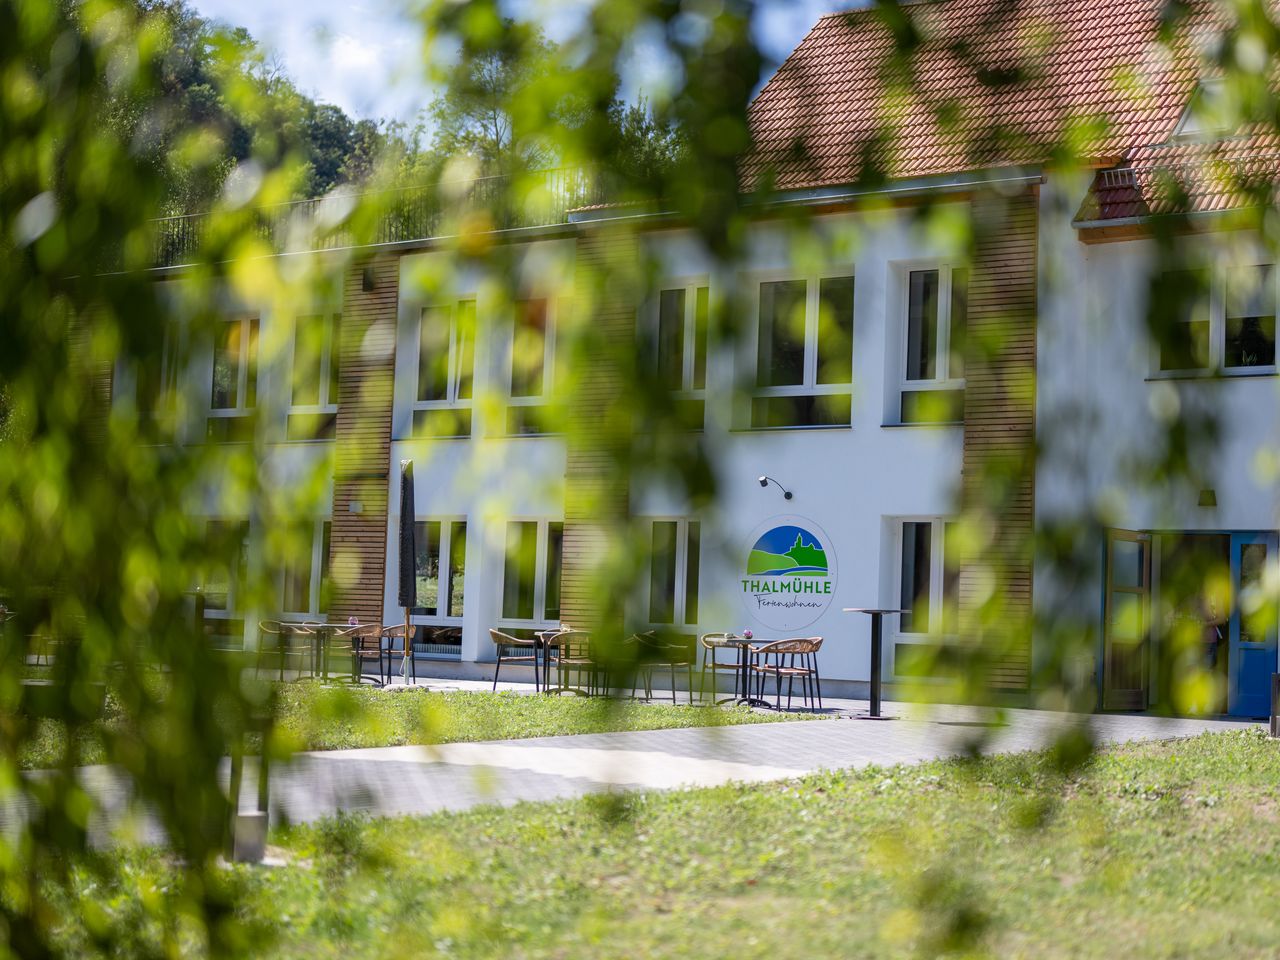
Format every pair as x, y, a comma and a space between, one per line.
875, 663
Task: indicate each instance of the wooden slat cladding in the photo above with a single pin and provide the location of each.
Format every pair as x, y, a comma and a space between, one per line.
597, 496
362, 435
999, 434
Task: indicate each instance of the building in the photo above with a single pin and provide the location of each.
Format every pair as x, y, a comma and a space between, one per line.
861, 400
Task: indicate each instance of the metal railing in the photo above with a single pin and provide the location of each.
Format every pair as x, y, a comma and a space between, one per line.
541, 198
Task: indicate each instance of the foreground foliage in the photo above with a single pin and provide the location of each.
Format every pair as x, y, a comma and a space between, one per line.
315, 717
1158, 850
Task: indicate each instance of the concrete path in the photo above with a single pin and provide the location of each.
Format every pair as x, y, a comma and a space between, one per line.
417, 780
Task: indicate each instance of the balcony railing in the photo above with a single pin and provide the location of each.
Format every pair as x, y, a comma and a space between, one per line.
536, 199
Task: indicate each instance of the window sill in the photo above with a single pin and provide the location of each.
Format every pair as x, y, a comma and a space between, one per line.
1237, 373
804, 426
923, 423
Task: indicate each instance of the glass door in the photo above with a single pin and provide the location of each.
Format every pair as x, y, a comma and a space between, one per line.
1126, 621
1252, 655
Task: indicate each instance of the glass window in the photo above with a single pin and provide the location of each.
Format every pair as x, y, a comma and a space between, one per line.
227, 553
426, 541
781, 348
1251, 318
554, 566
457, 566
950, 579
922, 325
671, 315
435, 332
693, 558
446, 360
326, 582
297, 569
662, 572
529, 349
959, 327
804, 353
519, 571
1180, 319
917, 543
835, 330
441, 550
701, 317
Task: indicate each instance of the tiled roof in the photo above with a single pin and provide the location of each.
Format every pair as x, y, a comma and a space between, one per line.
990, 83
1187, 178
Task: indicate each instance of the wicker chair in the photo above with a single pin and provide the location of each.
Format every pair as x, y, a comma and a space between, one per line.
528, 646
670, 651
793, 659
575, 655
391, 638
711, 644
283, 640
364, 644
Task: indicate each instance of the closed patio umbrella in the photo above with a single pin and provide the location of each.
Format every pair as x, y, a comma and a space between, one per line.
408, 586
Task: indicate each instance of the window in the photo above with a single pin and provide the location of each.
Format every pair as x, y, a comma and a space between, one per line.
929, 584
313, 399
804, 353
226, 553
442, 566
531, 574
532, 360
446, 364
1250, 318
234, 390
1225, 321
306, 585
674, 558
680, 348
157, 375
932, 389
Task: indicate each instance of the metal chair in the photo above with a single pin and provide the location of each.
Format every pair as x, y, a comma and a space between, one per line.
505, 642
574, 655
282, 641
784, 655
364, 643
711, 644
392, 639
663, 650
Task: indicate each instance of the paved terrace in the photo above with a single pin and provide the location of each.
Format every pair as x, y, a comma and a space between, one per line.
417, 780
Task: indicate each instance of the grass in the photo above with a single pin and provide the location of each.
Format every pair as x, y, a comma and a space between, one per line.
316, 717
313, 717
1162, 850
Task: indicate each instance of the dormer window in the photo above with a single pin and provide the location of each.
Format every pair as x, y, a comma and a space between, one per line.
1202, 119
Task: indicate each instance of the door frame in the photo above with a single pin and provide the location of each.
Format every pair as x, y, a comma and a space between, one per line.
1236, 655
1136, 699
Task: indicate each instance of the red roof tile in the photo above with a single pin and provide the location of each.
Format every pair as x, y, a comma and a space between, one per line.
989, 83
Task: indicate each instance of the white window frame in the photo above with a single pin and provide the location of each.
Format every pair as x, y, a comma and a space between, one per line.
937, 577
453, 376
235, 573
329, 343
1219, 277
548, 353
680, 619
942, 347
446, 564
316, 587
809, 387
246, 321
689, 332
542, 543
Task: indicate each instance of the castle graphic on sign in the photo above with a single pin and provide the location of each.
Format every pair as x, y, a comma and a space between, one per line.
788, 580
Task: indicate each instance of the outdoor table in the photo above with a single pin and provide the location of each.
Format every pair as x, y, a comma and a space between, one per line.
744, 672
545, 642
877, 625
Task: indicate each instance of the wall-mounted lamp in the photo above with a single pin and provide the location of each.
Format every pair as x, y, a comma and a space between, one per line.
765, 481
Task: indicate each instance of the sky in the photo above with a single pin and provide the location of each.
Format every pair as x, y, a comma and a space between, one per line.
363, 56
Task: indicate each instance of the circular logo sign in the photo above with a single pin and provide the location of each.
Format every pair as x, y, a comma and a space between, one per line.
789, 575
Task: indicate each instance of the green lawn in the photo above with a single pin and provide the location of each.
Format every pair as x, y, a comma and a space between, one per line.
316, 717
313, 717
1157, 851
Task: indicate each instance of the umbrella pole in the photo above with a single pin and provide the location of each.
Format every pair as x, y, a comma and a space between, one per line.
404, 660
